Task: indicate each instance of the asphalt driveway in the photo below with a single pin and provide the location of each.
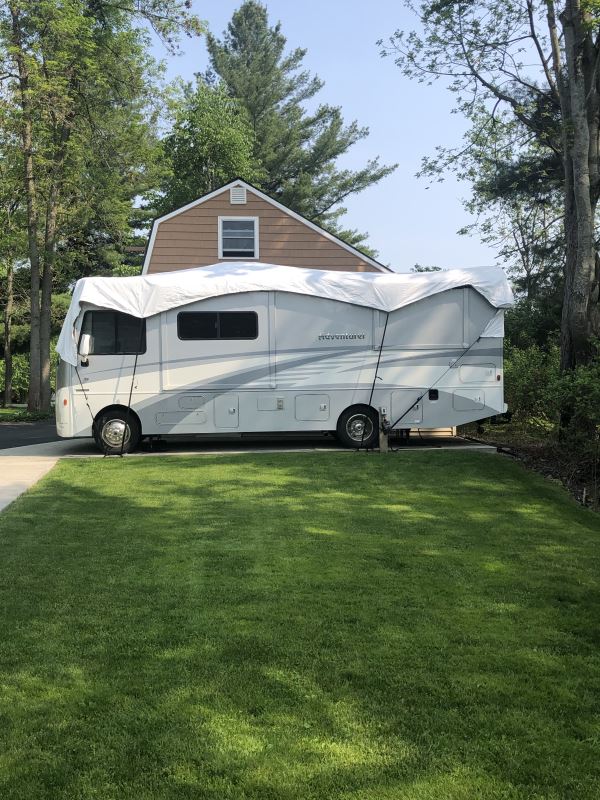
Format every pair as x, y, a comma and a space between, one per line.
28, 434
21, 434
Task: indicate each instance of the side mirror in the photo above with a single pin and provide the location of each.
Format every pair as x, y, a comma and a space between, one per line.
84, 347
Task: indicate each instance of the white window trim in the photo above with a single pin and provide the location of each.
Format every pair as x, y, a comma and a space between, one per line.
256, 244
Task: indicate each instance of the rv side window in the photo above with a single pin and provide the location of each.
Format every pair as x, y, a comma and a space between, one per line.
238, 325
113, 333
217, 325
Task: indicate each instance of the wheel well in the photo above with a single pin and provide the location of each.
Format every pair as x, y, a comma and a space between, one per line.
353, 434
359, 407
123, 409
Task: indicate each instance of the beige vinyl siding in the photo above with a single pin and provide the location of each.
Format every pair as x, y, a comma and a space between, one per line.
190, 239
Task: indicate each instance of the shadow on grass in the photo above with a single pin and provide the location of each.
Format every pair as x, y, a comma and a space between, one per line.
299, 626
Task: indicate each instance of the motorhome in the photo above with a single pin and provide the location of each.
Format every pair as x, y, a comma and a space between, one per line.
258, 348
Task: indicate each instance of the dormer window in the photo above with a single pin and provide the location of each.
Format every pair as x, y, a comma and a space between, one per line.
238, 237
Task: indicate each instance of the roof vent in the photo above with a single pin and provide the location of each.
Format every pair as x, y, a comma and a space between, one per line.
237, 195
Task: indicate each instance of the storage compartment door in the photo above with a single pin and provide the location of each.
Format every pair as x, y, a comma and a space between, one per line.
312, 407
402, 399
227, 410
468, 400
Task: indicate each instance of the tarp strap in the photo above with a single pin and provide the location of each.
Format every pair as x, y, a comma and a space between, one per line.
94, 428
387, 316
429, 388
142, 329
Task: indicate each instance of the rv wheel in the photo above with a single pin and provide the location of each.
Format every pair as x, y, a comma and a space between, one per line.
110, 427
358, 427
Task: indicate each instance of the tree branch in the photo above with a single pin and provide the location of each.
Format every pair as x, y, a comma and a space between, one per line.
538, 47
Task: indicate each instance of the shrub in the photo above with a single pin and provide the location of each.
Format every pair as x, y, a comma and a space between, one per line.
20, 378
577, 395
529, 374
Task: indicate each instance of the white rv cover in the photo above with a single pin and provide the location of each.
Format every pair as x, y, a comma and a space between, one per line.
146, 295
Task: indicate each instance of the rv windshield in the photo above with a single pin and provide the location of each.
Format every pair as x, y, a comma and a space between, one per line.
114, 333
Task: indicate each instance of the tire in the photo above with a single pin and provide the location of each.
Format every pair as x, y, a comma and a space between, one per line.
358, 426
108, 431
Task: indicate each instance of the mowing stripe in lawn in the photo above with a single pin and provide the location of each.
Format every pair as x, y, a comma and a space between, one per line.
314, 625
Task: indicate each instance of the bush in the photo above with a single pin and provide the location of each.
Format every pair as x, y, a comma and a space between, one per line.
20, 379
555, 417
577, 395
537, 393
529, 377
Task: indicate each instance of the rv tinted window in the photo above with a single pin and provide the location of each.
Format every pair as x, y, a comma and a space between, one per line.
113, 333
217, 325
238, 325
197, 325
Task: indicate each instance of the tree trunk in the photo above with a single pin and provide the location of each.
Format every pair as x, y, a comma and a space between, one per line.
580, 273
34, 399
8, 371
46, 328
49, 257
46, 305
567, 353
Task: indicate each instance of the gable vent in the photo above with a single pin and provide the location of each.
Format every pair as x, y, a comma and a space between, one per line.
237, 195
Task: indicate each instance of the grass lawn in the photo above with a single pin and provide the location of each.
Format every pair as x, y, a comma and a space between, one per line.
423, 626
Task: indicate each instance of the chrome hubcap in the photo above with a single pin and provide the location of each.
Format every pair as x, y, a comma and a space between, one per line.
112, 433
359, 428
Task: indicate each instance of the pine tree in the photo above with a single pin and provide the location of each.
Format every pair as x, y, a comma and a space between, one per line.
211, 143
297, 150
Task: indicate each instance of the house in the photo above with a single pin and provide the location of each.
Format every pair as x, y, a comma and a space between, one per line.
240, 223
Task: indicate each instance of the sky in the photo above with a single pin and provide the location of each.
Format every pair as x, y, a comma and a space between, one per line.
409, 220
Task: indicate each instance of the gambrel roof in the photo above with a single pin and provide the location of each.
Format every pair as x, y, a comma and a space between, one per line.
238, 182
